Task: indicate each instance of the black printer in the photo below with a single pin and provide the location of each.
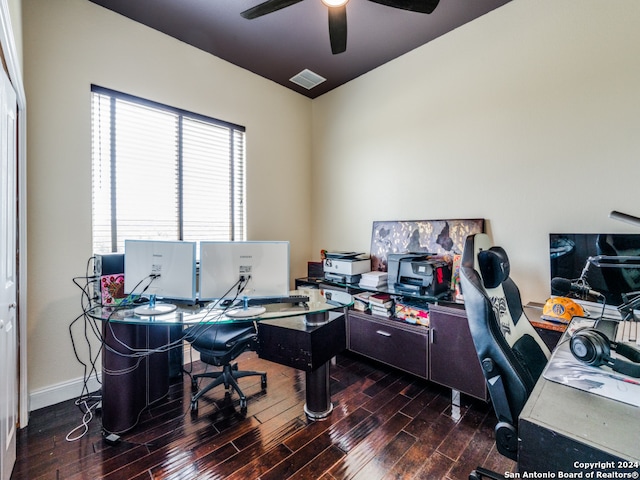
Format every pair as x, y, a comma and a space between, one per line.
418, 273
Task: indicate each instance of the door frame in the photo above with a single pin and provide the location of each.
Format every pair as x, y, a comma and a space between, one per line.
8, 45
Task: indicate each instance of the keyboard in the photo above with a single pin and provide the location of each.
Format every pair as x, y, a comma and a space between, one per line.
628, 332
283, 299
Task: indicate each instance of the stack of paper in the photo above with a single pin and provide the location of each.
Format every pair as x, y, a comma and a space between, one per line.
373, 279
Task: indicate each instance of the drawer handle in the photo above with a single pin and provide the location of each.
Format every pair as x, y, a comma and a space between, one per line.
383, 333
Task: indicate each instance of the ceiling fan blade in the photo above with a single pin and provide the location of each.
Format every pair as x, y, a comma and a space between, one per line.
267, 7
420, 6
338, 29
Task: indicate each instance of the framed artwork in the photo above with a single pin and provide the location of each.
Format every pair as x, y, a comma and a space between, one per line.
439, 237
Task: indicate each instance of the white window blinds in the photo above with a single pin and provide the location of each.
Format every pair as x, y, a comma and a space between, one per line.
163, 173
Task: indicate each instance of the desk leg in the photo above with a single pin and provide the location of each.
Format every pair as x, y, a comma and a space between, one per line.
121, 396
131, 384
318, 394
158, 366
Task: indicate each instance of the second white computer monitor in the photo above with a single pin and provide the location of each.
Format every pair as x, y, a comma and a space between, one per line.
265, 264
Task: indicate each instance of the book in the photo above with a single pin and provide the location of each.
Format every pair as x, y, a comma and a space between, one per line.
380, 299
380, 311
381, 304
361, 301
412, 314
388, 305
455, 278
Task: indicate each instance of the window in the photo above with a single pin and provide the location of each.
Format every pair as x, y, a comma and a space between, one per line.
163, 173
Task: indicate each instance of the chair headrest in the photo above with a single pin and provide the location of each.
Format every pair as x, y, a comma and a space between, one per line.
494, 266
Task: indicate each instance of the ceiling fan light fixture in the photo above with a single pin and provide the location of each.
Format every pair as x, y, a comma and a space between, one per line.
337, 10
334, 3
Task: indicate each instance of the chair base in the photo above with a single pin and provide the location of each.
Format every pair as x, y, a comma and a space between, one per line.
227, 376
480, 473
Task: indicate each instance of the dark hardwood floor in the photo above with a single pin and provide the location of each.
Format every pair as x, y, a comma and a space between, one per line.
385, 424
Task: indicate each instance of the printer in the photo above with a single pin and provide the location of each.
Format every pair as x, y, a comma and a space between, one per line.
346, 267
418, 273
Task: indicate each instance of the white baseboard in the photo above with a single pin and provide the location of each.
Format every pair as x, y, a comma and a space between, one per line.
64, 391
61, 392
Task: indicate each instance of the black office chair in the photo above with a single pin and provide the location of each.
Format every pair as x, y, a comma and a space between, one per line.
510, 351
219, 345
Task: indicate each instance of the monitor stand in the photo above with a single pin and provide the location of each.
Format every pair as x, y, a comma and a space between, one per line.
246, 311
153, 308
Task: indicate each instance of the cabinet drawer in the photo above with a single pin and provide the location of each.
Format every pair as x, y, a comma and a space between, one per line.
403, 347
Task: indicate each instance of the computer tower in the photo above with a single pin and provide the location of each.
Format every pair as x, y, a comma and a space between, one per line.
109, 263
108, 285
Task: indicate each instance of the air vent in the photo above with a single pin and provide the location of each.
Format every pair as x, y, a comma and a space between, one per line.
307, 79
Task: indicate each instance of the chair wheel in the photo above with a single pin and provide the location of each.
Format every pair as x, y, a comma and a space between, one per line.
474, 476
263, 383
194, 406
243, 406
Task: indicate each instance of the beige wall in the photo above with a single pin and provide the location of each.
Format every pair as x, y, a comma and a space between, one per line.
70, 44
528, 117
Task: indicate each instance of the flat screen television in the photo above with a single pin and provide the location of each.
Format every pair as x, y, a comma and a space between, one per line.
162, 269
569, 254
261, 269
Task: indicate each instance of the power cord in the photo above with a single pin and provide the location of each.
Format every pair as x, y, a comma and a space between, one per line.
88, 402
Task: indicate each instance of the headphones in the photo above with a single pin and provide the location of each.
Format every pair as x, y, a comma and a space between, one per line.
593, 347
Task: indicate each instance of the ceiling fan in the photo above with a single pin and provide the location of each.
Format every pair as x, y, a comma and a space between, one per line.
338, 14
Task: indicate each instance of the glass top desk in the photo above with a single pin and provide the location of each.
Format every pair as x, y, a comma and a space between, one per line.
314, 311
137, 348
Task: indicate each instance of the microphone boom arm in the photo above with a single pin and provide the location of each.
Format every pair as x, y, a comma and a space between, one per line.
612, 261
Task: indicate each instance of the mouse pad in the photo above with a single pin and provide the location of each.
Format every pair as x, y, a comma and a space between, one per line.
564, 368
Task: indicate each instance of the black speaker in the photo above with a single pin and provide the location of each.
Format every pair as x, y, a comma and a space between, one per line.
594, 348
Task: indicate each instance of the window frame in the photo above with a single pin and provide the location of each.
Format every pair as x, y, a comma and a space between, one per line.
235, 230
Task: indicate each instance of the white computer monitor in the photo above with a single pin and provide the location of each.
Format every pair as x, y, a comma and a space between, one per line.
159, 268
265, 264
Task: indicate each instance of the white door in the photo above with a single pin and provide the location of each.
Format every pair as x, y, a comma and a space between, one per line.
8, 287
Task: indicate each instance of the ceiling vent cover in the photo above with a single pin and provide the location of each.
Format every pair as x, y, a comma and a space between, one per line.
307, 79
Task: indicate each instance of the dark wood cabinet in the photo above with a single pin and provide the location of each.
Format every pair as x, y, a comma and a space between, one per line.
443, 353
400, 345
453, 361
292, 342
